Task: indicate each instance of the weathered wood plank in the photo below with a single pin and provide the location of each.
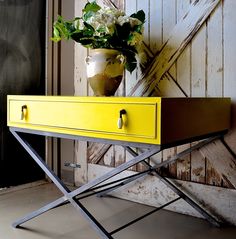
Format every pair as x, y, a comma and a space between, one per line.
109, 157
179, 38
119, 155
169, 88
183, 164
212, 176
80, 86
229, 64
183, 78
156, 33
144, 5
114, 3
118, 152
215, 53
214, 74
130, 78
169, 22
151, 191
198, 167
128, 157
96, 151
198, 89
198, 59
168, 18
184, 60
156, 16
222, 161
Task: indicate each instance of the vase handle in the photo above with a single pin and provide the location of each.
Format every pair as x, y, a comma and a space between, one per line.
87, 59
120, 58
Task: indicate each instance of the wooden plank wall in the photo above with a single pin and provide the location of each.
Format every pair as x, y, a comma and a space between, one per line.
205, 67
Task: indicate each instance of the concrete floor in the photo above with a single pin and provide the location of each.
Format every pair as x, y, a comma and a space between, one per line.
66, 223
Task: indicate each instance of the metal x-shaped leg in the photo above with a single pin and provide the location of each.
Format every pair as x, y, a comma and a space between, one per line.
178, 191
70, 196
167, 182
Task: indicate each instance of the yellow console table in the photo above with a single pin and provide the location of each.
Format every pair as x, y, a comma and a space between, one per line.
152, 123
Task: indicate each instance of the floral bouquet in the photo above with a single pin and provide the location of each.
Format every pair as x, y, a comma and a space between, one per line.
107, 28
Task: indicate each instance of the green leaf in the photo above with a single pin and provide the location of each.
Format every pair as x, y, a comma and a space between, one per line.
77, 21
140, 15
93, 7
138, 28
56, 33
123, 31
131, 61
88, 30
90, 9
60, 19
130, 66
86, 42
101, 29
55, 39
87, 15
62, 29
76, 36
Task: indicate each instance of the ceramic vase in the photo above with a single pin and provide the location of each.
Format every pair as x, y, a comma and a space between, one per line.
105, 68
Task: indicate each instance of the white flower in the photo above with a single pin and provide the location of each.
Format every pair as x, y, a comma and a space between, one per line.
104, 20
122, 19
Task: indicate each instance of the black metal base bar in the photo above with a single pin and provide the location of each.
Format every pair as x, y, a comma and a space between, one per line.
91, 219
42, 210
143, 216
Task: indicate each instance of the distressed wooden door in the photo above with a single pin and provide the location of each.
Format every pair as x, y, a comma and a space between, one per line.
191, 53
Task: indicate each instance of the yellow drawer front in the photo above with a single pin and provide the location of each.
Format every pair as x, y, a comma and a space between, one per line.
90, 117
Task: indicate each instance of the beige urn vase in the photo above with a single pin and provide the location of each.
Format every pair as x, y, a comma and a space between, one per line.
105, 69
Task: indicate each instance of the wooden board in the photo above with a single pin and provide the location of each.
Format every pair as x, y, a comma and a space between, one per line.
81, 87
181, 35
151, 191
